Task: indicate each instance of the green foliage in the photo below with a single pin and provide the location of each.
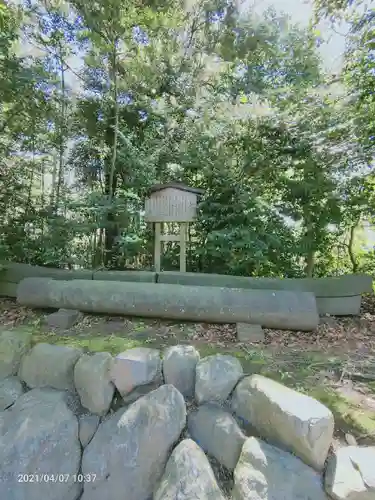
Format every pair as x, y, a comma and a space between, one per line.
335, 9
201, 93
359, 76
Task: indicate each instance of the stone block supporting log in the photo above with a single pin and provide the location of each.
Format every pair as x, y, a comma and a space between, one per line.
271, 309
249, 333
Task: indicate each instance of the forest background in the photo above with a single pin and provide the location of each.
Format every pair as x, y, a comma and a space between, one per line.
101, 100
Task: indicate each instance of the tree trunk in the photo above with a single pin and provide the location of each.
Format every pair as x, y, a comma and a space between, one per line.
310, 263
53, 182
116, 121
60, 176
111, 231
110, 187
31, 180
310, 239
352, 258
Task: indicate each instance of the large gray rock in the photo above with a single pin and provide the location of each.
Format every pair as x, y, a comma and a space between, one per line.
136, 372
92, 381
216, 377
10, 390
265, 472
39, 444
179, 364
88, 425
268, 308
350, 474
217, 433
63, 319
129, 450
13, 345
47, 365
285, 417
188, 475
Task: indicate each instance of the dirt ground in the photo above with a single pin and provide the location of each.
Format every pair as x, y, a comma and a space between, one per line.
335, 363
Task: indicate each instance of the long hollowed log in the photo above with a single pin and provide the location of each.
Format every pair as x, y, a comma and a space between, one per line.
268, 308
348, 285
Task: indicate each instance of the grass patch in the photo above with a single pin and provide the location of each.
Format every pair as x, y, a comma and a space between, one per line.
349, 417
91, 343
252, 361
371, 386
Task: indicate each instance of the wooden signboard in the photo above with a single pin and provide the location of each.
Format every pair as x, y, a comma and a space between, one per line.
173, 202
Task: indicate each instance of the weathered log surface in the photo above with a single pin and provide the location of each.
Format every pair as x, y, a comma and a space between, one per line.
348, 285
339, 306
14, 272
137, 276
271, 309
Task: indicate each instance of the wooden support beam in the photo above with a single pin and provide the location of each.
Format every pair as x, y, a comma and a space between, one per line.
170, 237
157, 249
160, 237
183, 234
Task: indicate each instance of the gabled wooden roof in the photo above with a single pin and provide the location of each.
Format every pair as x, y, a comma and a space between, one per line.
175, 185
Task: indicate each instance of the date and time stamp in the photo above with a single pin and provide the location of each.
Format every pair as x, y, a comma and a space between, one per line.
47, 478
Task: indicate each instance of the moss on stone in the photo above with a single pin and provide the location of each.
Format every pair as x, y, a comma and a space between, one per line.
298, 372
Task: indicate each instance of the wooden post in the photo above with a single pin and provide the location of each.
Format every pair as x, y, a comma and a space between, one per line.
183, 231
157, 249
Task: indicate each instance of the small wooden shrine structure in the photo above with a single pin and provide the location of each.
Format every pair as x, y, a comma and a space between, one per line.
173, 202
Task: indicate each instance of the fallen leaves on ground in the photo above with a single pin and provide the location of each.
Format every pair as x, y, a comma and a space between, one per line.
346, 334
11, 314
